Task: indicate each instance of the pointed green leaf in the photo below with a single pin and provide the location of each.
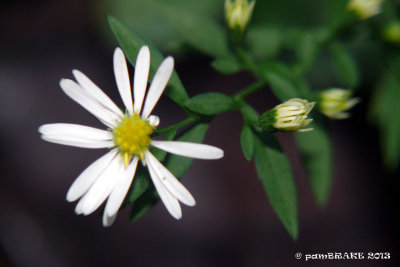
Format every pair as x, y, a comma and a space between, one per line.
273, 169
246, 141
316, 151
140, 184
345, 66
144, 204
176, 164
210, 103
131, 41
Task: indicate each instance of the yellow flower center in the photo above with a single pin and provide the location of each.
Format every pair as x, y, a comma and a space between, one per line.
132, 137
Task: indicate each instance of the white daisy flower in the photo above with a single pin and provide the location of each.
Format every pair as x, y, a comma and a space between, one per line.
128, 136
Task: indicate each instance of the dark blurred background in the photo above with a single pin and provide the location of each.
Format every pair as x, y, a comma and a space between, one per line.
233, 223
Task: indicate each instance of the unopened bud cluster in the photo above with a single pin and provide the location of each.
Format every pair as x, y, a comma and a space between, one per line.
392, 32
238, 13
334, 102
290, 116
365, 8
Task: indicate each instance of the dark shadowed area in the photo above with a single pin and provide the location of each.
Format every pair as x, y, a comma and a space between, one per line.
233, 223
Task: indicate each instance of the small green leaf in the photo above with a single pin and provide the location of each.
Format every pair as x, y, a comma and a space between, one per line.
273, 169
140, 184
280, 78
226, 65
345, 66
131, 42
176, 164
316, 151
210, 103
200, 32
246, 141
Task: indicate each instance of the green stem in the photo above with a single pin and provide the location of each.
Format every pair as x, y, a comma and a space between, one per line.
246, 59
176, 126
249, 90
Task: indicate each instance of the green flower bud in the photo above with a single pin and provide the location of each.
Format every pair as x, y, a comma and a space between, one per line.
238, 13
334, 102
289, 116
365, 8
392, 33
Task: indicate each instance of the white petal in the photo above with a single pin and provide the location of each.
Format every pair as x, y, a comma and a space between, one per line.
141, 76
103, 186
170, 202
74, 91
78, 208
96, 92
191, 150
122, 79
158, 85
77, 142
170, 182
75, 130
118, 194
86, 179
108, 220
154, 120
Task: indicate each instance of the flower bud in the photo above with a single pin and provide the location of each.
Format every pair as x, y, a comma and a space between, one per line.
334, 102
289, 116
238, 13
365, 8
392, 33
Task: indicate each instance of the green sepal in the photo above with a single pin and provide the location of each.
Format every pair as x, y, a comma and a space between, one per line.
267, 120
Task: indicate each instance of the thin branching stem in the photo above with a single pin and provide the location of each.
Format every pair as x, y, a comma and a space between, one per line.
255, 87
177, 125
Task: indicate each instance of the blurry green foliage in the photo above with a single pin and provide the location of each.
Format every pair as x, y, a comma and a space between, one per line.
145, 18
386, 110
